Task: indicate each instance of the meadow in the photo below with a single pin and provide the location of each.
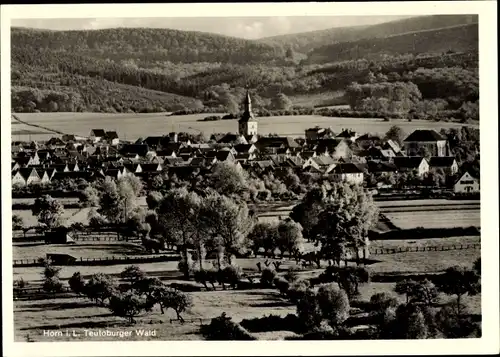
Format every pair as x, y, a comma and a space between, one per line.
436, 219
134, 126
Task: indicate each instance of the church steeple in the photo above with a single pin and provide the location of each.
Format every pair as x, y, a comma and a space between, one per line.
247, 124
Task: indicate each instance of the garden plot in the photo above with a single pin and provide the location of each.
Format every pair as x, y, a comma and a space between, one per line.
435, 219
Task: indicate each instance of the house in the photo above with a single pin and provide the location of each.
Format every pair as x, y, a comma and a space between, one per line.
347, 172
392, 145
446, 163
97, 135
367, 140
422, 142
14, 166
55, 143
377, 153
410, 163
467, 184
151, 167
276, 142
135, 149
317, 133
25, 177
220, 155
133, 167
347, 134
379, 167
112, 138
231, 138
44, 175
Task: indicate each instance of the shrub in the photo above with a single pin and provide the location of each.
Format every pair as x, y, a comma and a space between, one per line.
297, 290
383, 301
223, 329
267, 277
100, 287
127, 305
76, 283
132, 273
308, 310
52, 285
453, 325
333, 303
272, 323
281, 284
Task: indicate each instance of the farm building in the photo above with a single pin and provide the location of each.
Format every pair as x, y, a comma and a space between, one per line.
446, 163
425, 140
467, 184
404, 163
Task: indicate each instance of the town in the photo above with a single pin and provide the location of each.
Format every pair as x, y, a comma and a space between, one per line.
255, 208
343, 156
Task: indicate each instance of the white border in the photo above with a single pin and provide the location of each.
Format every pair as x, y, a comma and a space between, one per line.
489, 343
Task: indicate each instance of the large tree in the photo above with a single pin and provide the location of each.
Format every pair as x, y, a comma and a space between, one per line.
345, 217
227, 220
48, 211
178, 213
229, 178
289, 237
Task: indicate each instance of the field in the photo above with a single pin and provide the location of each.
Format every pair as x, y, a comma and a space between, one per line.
70, 215
134, 126
436, 219
32, 317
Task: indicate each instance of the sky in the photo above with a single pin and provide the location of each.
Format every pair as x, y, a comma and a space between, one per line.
244, 27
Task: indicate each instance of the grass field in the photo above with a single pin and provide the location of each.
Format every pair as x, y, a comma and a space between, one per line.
84, 250
78, 314
435, 219
133, 126
70, 215
430, 242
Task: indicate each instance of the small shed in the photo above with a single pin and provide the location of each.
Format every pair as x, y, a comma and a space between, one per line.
60, 259
59, 235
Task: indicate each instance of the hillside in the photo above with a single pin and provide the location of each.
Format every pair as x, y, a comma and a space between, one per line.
452, 39
146, 45
307, 41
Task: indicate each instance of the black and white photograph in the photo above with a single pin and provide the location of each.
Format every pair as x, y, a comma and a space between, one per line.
250, 177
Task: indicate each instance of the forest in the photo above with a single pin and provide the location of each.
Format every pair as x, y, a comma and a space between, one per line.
156, 70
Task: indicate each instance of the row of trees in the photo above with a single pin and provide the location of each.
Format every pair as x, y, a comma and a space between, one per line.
136, 295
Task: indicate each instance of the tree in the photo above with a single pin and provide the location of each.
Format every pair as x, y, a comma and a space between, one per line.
307, 211
153, 199
289, 237
407, 288
333, 303
263, 235
127, 304
347, 215
396, 134
308, 310
178, 214
90, 196
17, 222
48, 211
227, 221
76, 283
459, 281
132, 274
100, 287
176, 300
281, 102
228, 178
50, 274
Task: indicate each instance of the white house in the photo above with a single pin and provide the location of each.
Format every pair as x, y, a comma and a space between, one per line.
347, 172
467, 184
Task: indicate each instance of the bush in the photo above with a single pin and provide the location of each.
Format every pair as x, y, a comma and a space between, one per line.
267, 277
76, 283
272, 323
52, 285
308, 310
223, 329
333, 303
127, 305
382, 301
282, 285
297, 290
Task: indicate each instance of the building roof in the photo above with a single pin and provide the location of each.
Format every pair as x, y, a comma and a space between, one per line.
247, 115
346, 168
100, 133
408, 162
380, 166
424, 135
441, 161
110, 135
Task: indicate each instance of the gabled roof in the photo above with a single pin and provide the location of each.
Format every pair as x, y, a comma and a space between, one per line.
110, 135
100, 133
27, 172
408, 162
277, 141
346, 133
381, 166
369, 137
346, 168
424, 135
139, 149
323, 160
441, 161
243, 148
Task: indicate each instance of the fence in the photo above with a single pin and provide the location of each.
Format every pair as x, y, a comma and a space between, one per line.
102, 261
381, 251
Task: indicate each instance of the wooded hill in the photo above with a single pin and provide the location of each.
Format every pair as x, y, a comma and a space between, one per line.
307, 41
166, 70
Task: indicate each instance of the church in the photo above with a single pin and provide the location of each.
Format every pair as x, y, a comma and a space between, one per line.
247, 125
